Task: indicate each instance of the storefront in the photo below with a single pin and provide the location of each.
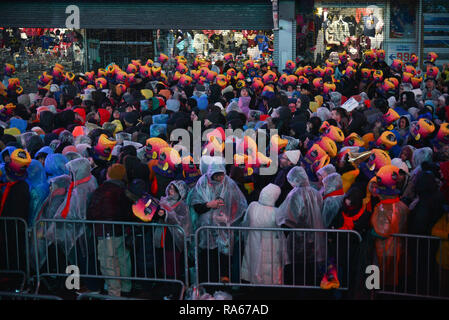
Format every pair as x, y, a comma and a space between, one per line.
326, 26
121, 31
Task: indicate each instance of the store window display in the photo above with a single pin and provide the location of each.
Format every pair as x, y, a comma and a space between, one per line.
214, 44
347, 29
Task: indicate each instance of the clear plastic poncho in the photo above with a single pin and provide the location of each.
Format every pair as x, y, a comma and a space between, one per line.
66, 137
46, 232
234, 207
302, 209
177, 213
265, 251
39, 189
419, 156
83, 184
331, 204
25, 137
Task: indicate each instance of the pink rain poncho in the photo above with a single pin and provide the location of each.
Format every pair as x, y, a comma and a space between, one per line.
234, 207
302, 210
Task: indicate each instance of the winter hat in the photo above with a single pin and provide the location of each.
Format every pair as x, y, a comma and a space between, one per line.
165, 93
335, 97
129, 99
79, 131
81, 112
131, 117
54, 88
397, 162
69, 149
227, 89
173, 105
24, 99
117, 172
391, 101
104, 115
218, 104
293, 156
47, 101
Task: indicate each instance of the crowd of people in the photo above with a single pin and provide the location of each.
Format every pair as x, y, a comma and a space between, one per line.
362, 146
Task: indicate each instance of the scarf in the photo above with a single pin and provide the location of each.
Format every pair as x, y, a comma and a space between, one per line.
73, 184
8, 186
338, 192
348, 223
168, 207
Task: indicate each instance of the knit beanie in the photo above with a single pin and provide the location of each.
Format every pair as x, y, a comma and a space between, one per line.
293, 156
117, 172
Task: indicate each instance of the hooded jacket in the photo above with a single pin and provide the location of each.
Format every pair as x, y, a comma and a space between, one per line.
109, 203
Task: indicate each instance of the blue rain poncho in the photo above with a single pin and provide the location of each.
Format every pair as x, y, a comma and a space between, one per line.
55, 165
302, 209
234, 207
44, 150
39, 189
19, 124
59, 187
331, 203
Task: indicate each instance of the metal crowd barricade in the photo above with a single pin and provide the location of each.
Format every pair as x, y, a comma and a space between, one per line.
300, 257
94, 296
410, 266
14, 253
26, 296
131, 252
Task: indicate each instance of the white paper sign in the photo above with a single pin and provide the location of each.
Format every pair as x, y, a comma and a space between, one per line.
350, 105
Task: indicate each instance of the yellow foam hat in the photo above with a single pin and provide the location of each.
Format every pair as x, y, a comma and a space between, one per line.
313, 106
118, 126
147, 93
12, 131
